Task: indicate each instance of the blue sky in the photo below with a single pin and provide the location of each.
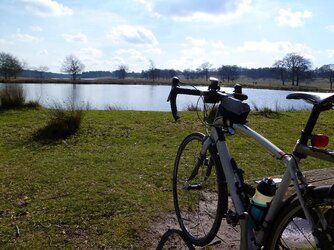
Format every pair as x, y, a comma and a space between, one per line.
172, 33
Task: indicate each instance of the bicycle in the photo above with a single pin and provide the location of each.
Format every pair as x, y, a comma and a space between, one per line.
205, 174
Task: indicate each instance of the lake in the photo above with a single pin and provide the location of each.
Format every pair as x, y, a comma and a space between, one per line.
141, 97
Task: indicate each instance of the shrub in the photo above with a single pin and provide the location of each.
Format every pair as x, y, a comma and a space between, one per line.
192, 107
12, 97
114, 107
32, 105
62, 123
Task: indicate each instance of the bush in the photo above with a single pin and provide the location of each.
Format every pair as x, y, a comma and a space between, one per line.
12, 97
192, 107
32, 105
62, 123
114, 107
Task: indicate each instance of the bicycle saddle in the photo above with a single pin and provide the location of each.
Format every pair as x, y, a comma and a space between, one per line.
314, 98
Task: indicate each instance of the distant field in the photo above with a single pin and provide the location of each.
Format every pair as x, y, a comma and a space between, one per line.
104, 187
315, 85
272, 83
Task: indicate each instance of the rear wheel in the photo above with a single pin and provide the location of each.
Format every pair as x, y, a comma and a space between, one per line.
199, 191
292, 231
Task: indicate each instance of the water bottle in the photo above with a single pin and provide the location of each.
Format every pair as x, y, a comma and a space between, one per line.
260, 202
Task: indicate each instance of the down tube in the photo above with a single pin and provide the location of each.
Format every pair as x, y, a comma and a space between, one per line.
225, 159
233, 185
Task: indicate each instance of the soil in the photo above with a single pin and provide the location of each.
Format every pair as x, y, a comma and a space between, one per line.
228, 236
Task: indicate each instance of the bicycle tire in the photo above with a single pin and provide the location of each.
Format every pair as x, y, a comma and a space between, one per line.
291, 230
199, 211
174, 239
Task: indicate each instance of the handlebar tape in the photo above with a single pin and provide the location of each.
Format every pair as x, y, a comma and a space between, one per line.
172, 98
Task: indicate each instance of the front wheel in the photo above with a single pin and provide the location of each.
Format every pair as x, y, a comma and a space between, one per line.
292, 231
199, 190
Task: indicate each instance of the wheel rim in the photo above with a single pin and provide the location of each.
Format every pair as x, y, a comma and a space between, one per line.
296, 233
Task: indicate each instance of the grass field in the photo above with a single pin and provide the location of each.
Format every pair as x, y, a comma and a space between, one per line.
103, 187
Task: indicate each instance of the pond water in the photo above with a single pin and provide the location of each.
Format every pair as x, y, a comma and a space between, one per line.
141, 97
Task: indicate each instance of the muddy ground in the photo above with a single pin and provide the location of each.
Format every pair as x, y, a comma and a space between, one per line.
228, 236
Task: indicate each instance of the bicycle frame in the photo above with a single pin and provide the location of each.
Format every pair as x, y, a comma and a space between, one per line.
248, 239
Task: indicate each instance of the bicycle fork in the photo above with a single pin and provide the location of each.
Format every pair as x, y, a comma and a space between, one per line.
200, 161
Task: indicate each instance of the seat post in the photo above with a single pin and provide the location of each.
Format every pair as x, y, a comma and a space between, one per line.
312, 120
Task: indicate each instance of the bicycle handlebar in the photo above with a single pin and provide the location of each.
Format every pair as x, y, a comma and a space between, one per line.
212, 94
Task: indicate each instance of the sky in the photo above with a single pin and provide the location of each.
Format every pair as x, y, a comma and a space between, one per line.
178, 34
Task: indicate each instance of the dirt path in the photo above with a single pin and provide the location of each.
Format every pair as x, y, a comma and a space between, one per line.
228, 236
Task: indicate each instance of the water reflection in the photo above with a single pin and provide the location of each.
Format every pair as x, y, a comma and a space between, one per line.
140, 97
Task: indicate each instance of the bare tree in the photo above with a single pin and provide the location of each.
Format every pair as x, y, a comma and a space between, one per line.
280, 68
72, 65
152, 71
297, 66
9, 65
41, 70
187, 73
205, 69
328, 71
122, 71
228, 72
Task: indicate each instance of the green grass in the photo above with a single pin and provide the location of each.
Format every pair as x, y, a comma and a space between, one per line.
104, 186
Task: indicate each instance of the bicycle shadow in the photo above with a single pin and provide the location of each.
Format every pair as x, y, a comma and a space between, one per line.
174, 239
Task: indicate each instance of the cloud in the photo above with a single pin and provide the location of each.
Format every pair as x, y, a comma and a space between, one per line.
279, 47
132, 34
286, 17
196, 42
330, 28
26, 38
43, 52
90, 53
189, 10
80, 37
36, 28
264, 46
195, 51
132, 55
330, 53
135, 59
45, 8
93, 59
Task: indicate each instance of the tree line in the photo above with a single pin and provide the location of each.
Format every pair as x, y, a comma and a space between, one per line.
293, 68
